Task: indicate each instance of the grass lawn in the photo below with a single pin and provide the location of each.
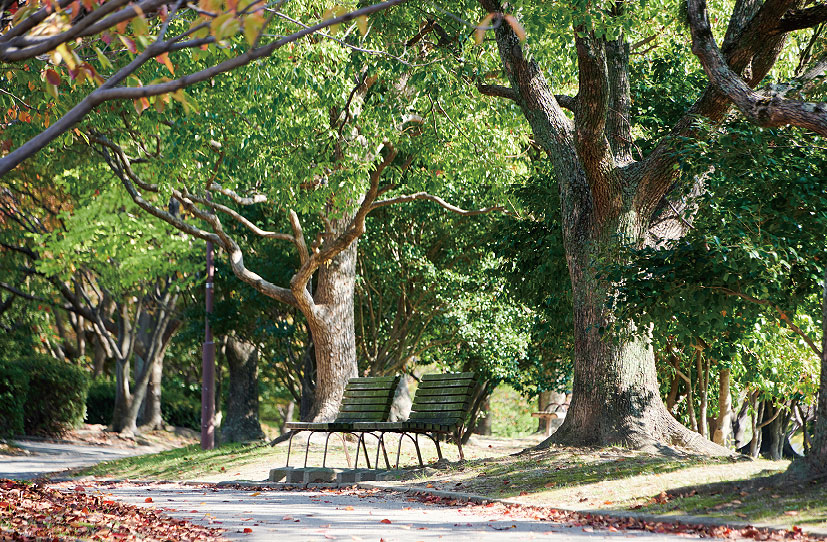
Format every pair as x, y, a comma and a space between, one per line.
740, 490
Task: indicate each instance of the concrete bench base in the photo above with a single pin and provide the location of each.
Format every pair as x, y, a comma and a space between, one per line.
323, 475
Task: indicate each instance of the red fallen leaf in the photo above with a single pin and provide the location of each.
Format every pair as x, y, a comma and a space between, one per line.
107, 502
4, 504
247, 530
386, 521
148, 499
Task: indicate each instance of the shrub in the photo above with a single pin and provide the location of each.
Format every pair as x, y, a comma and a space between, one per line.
100, 401
56, 400
14, 385
181, 406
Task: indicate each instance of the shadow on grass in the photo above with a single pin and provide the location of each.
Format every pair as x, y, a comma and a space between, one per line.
517, 476
782, 499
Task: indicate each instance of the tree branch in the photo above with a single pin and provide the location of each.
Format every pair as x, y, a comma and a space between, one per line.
438, 200
762, 110
108, 91
798, 19
499, 91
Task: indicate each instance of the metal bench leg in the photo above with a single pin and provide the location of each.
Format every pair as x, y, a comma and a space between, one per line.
365, 449
326, 442
358, 442
399, 449
307, 449
438, 449
347, 453
289, 445
384, 451
418, 453
459, 446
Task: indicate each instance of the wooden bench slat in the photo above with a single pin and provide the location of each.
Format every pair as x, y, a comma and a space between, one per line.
369, 379
440, 407
368, 386
363, 408
345, 416
445, 384
446, 397
369, 393
443, 376
366, 400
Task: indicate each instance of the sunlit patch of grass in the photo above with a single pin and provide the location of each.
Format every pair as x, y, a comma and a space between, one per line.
184, 463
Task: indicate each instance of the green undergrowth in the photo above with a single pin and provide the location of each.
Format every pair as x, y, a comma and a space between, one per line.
187, 463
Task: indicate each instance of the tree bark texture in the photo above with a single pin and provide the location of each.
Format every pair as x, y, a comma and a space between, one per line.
241, 423
817, 458
331, 323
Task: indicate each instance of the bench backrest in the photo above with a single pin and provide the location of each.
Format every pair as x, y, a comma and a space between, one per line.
444, 399
368, 399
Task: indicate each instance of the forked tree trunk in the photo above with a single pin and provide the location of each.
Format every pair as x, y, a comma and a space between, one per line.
241, 424
332, 325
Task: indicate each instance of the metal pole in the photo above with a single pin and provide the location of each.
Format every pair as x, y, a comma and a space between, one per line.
208, 363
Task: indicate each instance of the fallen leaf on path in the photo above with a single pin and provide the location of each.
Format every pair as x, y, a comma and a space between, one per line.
247, 530
148, 499
386, 521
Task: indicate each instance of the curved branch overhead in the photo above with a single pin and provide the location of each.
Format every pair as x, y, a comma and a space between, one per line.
763, 109
109, 90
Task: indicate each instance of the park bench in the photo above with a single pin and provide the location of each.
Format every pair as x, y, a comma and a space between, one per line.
365, 400
441, 407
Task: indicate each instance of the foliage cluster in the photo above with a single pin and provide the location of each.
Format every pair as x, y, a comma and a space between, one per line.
41, 396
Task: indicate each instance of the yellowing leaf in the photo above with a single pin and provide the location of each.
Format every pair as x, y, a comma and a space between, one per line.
483, 25
163, 58
130, 45
102, 59
141, 104
252, 27
516, 26
67, 55
51, 90
362, 23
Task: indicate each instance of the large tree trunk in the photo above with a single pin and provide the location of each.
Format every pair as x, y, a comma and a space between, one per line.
616, 397
332, 325
241, 423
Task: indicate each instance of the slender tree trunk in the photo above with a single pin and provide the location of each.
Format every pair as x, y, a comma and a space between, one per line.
723, 423
123, 397
241, 423
817, 458
703, 392
288, 415
483, 425
151, 418
332, 326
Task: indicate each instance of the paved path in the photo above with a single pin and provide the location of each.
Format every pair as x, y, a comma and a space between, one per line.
47, 457
293, 516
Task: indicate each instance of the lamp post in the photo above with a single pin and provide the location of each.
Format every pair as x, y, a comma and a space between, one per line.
208, 362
